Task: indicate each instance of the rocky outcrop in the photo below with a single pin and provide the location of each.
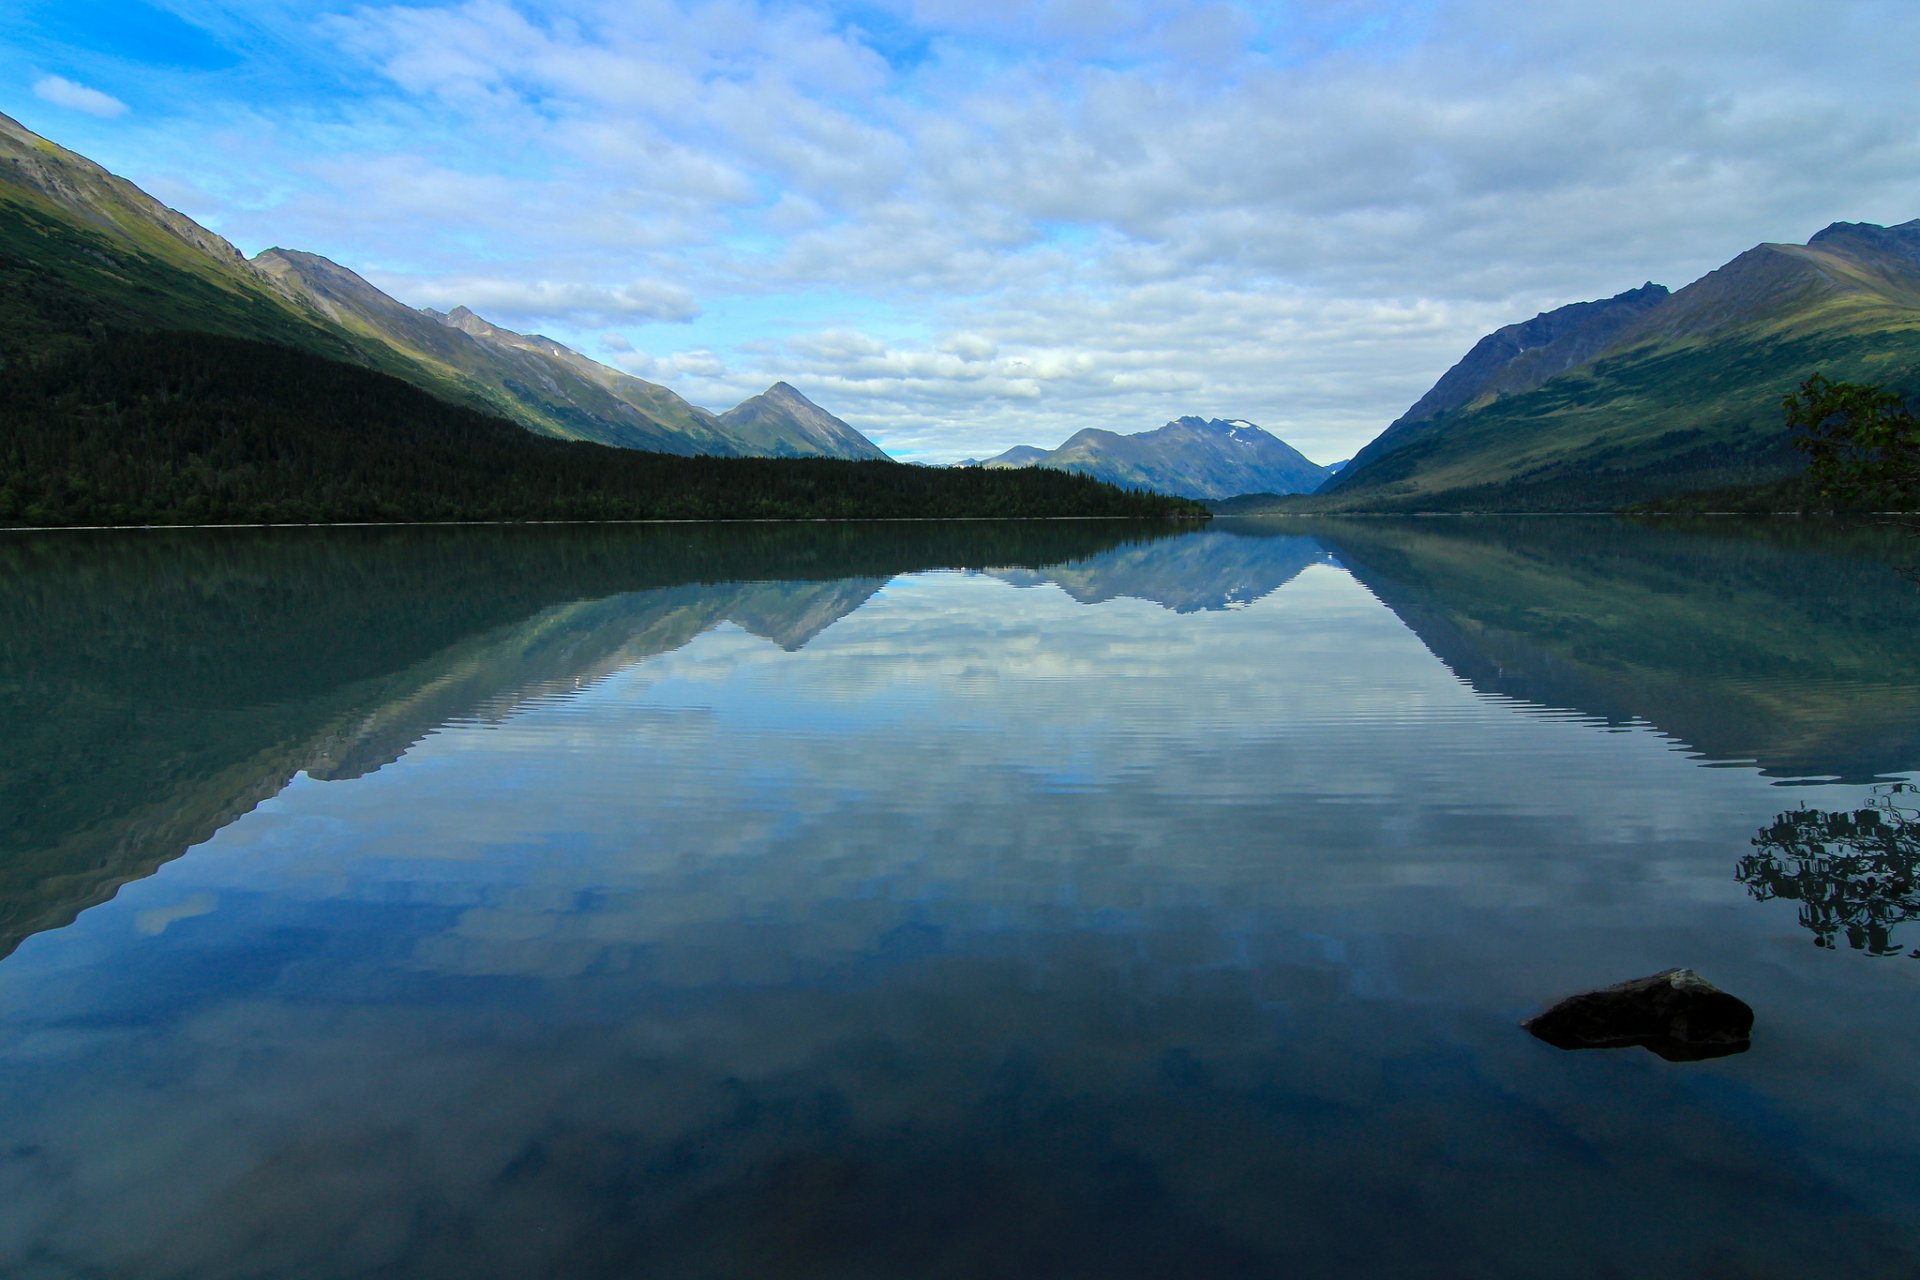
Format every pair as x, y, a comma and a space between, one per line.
1675, 1013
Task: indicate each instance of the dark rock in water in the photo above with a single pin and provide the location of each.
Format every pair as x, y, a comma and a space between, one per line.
1676, 1014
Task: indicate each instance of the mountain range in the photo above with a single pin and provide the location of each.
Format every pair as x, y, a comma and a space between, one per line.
1189, 457
158, 269
1650, 394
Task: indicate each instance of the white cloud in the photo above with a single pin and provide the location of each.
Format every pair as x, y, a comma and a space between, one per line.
62, 92
533, 299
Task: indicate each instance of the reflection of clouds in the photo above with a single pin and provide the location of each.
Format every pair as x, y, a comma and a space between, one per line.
977, 898
155, 920
946, 742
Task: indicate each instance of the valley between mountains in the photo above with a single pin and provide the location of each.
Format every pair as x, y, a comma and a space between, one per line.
154, 374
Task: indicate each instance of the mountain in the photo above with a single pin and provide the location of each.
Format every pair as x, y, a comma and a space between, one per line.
782, 423
82, 251
1519, 358
1189, 457
1685, 397
1021, 455
532, 381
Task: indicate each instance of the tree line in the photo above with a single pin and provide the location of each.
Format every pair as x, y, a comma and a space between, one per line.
193, 428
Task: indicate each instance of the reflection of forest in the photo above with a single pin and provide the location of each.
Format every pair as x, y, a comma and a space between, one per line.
1854, 874
1784, 643
156, 685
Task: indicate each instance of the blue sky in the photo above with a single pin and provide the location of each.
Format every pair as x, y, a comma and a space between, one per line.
964, 225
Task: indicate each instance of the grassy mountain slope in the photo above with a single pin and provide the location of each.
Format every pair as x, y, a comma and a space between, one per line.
1518, 358
533, 381
1192, 457
1688, 398
84, 253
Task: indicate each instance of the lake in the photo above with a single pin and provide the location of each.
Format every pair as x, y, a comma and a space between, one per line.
1064, 899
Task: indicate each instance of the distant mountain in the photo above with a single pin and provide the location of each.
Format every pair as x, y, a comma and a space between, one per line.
1685, 396
83, 251
1188, 457
782, 423
1021, 455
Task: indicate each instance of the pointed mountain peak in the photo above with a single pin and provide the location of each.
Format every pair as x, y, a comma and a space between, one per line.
783, 423
463, 319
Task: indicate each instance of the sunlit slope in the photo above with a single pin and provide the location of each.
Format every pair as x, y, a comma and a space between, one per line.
1687, 399
529, 380
85, 254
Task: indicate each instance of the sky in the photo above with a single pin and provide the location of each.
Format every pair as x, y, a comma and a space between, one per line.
963, 225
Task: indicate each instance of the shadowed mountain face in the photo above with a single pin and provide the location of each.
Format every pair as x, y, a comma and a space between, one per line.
1778, 645
1189, 457
82, 251
1685, 396
254, 656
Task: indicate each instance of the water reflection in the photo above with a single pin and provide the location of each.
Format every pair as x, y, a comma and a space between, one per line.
257, 657
1782, 644
1854, 874
795, 914
154, 686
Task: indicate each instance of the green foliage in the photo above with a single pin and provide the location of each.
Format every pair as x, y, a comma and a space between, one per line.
1862, 442
197, 428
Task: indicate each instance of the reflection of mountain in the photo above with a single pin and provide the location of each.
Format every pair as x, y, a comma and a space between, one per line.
1773, 643
1227, 567
157, 685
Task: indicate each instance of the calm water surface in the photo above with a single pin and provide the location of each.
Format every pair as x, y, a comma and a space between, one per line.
952, 901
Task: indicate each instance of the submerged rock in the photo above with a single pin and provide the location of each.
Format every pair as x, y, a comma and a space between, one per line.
1676, 1013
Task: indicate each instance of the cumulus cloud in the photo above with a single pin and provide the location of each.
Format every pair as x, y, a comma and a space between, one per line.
62, 92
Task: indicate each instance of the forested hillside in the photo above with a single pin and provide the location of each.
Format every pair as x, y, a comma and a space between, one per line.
187, 428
